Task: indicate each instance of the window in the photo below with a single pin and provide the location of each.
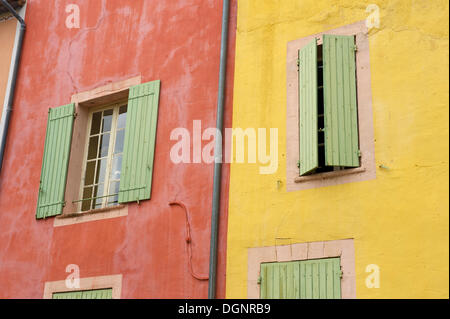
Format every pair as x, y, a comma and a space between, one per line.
111, 156
86, 294
328, 115
99, 287
284, 266
104, 155
329, 118
307, 279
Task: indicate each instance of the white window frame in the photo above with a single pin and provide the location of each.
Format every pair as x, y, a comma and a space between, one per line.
115, 107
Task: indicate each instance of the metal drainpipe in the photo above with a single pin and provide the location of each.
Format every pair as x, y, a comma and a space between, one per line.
218, 153
9, 106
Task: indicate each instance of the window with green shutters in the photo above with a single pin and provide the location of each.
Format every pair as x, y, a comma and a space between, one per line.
308, 279
86, 294
328, 114
119, 156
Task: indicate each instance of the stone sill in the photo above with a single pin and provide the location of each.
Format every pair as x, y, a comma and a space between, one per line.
91, 215
328, 175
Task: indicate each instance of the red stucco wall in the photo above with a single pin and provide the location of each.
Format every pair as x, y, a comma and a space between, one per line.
177, 42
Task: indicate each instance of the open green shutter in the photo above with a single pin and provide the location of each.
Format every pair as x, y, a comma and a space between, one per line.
308, 279
308, 93
140, 138
340, 101
55, 162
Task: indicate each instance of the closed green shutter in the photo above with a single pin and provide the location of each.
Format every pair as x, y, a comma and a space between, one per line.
140, 138
87, 294
55, 162
308, 279
97, 294
340, 101
68, 295
308, 93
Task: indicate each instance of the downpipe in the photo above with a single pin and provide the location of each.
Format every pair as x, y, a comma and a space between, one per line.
218, 154
12, 89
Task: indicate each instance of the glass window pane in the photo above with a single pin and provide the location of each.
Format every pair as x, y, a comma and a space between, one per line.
116, 167
98, 192
101, 171
98, 161
107, 120
120, 138
93, 147
90, 173
122, 119
87, 193
113, 189
96, 122
104, 145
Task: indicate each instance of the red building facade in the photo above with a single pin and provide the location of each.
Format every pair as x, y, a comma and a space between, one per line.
154, 249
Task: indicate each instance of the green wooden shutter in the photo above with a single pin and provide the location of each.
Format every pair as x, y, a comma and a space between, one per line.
340, 101
308, 279
308, 93
68, 295
97, 294
140, 138
87, 294
55, 162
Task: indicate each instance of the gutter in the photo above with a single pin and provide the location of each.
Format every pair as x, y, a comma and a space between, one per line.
218, 153
12, 88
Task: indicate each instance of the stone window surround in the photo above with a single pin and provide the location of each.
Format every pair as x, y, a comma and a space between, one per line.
304, 251
367, 170
85, 101
113, 282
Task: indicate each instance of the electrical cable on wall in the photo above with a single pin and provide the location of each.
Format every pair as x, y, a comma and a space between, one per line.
189, 241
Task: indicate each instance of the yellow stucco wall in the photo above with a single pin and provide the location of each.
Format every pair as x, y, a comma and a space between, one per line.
399, 221
7, 36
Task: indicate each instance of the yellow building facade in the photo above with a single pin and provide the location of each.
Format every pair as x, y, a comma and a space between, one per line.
392, 226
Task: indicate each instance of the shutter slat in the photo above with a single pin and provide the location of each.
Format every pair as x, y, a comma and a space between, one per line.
308, 95
340, 101
309, 281
276, 282
290, 280
336, 264
139, 147
330, 278
302, 270
296, 270
263, 282
322, 280
55, 161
